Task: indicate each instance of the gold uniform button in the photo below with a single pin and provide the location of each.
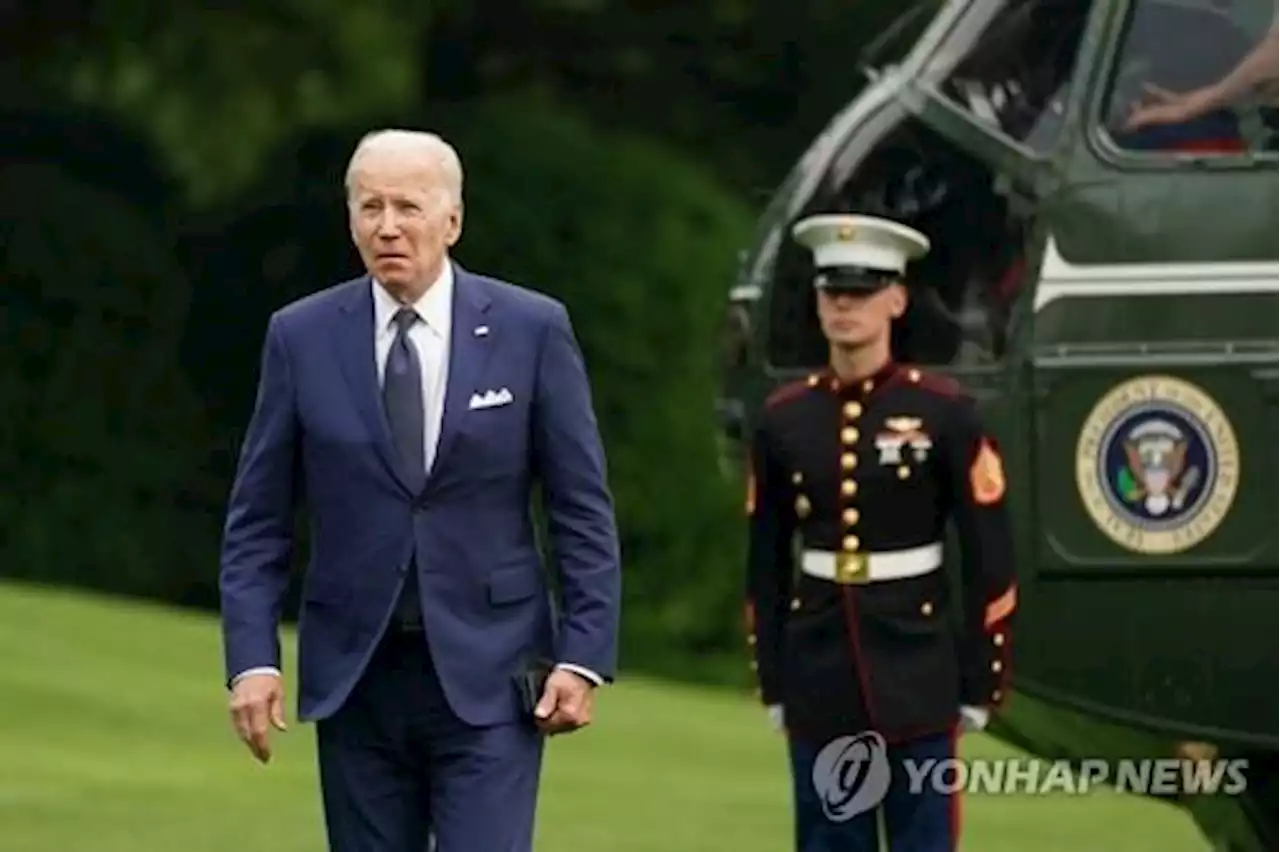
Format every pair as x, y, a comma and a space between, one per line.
813, 380
913, 376
995, 696
867, 386
904, 472
995, 667
926, 608
852, 410
795, 604
797, 478
751, 640
850, 517
848, 461
851, 543
848, 488
998, 639
848, 435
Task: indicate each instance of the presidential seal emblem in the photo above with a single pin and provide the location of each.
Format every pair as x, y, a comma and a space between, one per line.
1157, 465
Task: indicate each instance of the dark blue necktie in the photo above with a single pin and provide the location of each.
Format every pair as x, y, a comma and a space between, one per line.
402, 398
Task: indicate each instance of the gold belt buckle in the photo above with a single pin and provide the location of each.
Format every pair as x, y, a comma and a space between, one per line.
851, 568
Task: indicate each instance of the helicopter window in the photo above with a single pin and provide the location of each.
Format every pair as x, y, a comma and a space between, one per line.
1015, 75
961, 292
1195, 76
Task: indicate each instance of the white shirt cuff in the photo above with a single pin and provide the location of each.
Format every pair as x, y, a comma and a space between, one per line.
259, 670
585, 672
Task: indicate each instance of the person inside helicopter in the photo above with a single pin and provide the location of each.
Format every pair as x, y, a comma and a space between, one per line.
1193, 80
1255, 75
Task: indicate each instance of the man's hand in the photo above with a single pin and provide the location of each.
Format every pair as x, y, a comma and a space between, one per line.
257, 704
974, 718
567, 703
777, 718
1165, 107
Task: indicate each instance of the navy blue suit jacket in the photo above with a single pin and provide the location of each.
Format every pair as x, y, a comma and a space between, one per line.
318, 434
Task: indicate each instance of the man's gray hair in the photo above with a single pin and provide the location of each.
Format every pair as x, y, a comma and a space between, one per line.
414, 142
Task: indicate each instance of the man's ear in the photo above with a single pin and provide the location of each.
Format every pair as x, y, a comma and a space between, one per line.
455, 225
898, 300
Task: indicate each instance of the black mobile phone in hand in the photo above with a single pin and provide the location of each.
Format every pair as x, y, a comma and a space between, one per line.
531, 680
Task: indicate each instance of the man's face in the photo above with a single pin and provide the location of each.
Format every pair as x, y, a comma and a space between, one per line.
855, 319
403, 219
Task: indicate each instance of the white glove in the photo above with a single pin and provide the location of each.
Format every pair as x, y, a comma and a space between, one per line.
775, 716
974, 718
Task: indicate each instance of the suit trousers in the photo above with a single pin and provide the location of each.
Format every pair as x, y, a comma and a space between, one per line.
849, 815
398, 768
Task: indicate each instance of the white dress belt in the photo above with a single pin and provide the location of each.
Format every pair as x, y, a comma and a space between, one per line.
859, 568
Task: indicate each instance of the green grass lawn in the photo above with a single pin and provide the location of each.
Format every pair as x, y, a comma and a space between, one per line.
114, 738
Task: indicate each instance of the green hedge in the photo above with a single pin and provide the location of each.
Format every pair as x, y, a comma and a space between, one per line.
103, 444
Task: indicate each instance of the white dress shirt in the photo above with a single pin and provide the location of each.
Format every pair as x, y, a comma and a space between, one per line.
430, 338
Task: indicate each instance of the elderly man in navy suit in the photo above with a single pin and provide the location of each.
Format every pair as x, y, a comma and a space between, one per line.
414, 409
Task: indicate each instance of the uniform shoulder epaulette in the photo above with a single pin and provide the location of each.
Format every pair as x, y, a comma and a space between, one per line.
790, 390
937, 383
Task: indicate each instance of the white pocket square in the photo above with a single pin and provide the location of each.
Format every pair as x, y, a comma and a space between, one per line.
490, 399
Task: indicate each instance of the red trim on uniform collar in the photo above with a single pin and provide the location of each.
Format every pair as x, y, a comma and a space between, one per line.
862, 387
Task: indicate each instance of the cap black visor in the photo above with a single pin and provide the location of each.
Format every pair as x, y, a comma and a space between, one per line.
853, 279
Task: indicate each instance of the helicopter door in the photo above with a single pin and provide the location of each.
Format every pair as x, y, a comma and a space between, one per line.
962, 292
1155, 394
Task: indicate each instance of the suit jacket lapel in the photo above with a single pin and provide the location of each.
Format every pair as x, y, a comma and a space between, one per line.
468, 353
354, 333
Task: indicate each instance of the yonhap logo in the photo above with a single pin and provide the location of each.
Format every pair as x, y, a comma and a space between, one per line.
851, 775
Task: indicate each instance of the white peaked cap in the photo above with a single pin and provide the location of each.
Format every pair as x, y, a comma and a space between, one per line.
860, 241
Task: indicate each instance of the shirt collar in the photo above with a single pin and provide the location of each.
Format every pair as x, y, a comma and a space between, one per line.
433, 307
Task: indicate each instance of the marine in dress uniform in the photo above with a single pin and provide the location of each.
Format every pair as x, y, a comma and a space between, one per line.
851, 618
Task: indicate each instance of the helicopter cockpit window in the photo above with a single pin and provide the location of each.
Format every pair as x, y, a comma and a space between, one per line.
1195, 77
962, 293
1015, 75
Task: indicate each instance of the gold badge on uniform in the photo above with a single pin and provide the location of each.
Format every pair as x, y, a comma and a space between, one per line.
803, 506
986, 476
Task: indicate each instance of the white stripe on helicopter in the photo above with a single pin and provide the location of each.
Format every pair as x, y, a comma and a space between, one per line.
1061, 279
